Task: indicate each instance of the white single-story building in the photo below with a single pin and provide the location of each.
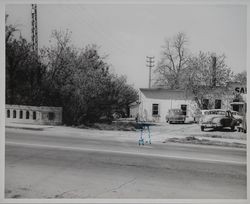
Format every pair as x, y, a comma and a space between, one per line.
39, 115
154, 103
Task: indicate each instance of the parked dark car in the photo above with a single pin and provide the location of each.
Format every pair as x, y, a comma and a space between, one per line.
175, 116
237, 116
217, 118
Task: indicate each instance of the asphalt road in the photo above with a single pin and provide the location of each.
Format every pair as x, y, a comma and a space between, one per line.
49, 165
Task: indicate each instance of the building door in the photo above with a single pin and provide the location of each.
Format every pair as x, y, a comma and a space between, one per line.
184, 109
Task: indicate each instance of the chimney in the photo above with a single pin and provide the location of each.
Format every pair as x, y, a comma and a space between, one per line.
213, 71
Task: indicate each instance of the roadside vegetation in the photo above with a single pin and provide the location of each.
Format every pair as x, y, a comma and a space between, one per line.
119, 126
195, 140
77, 79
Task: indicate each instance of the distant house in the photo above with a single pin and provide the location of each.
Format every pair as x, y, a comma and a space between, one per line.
39, 115
155, 103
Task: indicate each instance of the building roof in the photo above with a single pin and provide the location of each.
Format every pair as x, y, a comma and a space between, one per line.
162, 93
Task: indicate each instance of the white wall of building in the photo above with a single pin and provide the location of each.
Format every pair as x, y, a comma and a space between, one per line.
145, 109
146, 104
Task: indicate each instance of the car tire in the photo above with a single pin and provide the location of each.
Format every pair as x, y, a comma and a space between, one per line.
202, 128
232, 127
170, 122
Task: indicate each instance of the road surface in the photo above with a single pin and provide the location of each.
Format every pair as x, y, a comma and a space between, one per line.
46, 164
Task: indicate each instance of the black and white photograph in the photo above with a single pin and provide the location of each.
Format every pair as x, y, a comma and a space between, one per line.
141, 100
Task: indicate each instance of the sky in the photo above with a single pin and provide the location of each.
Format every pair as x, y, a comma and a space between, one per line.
127, 33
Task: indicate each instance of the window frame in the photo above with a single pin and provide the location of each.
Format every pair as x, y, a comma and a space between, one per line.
20, 114
205, 105
155, 112
51, 115
27, 115
34, 115
8, 113
14, 113
216, 103
182, 108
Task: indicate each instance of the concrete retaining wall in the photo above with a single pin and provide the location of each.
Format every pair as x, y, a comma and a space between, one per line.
40, 115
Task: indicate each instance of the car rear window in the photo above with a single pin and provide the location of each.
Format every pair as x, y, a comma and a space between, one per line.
215, 113
177, 111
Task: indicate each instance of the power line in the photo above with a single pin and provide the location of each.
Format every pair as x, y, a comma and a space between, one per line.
150, 61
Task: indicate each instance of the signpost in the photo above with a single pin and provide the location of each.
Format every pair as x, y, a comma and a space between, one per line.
144, 129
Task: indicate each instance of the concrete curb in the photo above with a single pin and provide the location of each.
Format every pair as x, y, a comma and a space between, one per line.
25, 128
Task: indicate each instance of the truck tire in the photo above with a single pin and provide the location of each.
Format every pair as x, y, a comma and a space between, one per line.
202, 128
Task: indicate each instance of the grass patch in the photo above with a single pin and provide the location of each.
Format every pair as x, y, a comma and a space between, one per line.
194, 140
117, 125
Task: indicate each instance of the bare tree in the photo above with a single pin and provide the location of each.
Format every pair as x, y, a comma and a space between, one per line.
206, 77
241, 77
10, 30
172, 63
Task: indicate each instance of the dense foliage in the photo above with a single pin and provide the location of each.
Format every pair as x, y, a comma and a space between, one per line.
78, 80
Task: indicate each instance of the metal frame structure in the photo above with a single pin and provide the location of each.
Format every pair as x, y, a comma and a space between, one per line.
34, 35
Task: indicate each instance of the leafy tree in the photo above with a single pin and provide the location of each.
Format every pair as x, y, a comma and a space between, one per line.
23, 70
62, 75
59, 60
79, 80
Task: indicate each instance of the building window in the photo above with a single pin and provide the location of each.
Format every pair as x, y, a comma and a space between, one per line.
184, 109
217, 104
155, 109
27, 114
14, 113
34, 115
236, 108
8, 113
51, 116
205, 103
20, 114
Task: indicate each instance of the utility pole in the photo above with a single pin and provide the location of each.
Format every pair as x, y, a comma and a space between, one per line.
150, 61
34, 36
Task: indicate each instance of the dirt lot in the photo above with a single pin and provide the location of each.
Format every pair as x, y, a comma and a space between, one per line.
191, 133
